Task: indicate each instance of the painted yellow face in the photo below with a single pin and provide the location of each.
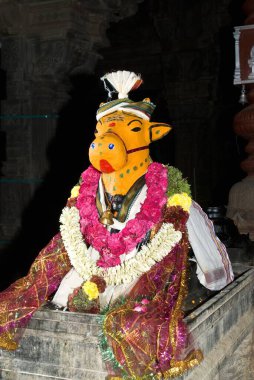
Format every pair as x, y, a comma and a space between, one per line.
120, 134
107, 153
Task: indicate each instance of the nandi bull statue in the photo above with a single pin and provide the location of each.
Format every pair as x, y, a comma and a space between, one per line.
122, 250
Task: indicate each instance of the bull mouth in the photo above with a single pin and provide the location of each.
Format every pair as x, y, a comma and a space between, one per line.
105, 167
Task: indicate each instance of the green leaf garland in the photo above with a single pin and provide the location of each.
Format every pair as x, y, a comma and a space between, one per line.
176, 182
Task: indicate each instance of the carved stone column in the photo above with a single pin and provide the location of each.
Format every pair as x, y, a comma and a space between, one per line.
241, 196
43, 43
190, 79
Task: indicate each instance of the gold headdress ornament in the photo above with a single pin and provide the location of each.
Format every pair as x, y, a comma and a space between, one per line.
122, 82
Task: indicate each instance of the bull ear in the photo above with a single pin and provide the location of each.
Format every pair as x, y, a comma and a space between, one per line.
158, 130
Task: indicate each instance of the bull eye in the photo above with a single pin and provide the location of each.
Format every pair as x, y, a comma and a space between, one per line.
93, 145
111, 146
136, 129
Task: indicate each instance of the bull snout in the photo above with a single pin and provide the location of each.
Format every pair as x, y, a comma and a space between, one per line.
107, 153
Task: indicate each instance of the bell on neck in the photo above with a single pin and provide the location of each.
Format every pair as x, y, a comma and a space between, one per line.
107, 217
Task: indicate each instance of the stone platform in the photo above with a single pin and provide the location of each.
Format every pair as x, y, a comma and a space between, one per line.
63, 345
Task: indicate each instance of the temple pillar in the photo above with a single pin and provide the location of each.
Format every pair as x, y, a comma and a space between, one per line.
191, 67
43, 44
241, 196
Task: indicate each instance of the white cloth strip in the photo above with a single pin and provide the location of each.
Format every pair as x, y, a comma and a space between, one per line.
214, 269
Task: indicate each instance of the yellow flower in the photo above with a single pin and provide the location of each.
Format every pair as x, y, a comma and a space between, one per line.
75, 191
182, 200
91, 290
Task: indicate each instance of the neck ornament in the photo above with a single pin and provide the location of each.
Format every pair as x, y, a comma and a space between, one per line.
111, 247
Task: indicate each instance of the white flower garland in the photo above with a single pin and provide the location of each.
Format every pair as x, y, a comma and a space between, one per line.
80, 258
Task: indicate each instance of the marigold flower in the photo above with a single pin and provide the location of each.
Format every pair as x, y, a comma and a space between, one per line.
75, 191
182, 200
91, 290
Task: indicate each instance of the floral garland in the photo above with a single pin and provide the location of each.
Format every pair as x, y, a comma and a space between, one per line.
168, 231
111, 247
155, 251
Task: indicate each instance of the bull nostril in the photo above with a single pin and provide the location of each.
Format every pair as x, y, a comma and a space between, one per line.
93, 145
111, 146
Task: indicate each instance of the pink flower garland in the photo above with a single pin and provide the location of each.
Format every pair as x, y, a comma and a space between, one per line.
112, 246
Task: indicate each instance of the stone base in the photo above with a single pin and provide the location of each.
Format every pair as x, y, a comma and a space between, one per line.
56, 345
223, 328
63, 345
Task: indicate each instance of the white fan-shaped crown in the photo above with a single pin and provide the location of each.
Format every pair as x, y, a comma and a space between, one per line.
123, 82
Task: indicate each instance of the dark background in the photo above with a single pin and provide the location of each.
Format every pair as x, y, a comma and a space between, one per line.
185, 53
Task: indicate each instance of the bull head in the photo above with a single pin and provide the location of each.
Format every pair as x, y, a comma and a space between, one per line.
120, 149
